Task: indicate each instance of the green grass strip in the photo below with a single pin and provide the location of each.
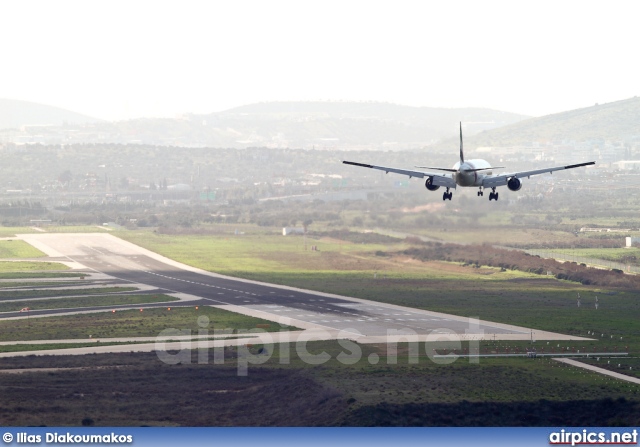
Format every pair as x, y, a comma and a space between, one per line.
39, 275
18, 249
66, 292
80, 302
132, 323
30, 266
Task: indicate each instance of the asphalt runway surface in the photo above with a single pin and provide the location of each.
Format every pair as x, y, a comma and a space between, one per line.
127, 262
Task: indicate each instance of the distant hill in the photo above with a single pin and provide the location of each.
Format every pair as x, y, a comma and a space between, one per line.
435, 117
344, 125
619, 120
360, 123
15, 114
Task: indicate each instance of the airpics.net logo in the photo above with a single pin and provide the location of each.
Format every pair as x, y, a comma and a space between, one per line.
588, 437
257, 346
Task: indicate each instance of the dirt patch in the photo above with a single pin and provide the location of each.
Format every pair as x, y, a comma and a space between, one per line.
400, 350
431, 207
332, 240
183, 395
540, 282
448, 267
327, 261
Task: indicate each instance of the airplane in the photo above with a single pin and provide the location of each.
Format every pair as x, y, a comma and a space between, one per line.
469, 173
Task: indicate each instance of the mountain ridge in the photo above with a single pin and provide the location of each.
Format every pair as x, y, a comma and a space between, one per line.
618, 120
16, 113
308, 125
343, 124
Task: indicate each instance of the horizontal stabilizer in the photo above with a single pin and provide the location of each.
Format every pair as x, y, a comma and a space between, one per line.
387, 169
437, 169
483, 169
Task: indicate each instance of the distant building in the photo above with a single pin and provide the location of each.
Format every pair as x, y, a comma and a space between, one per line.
179, 187
604, 230
627, 165
632, 241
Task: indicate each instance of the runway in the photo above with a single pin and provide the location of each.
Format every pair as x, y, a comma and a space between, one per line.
366, 321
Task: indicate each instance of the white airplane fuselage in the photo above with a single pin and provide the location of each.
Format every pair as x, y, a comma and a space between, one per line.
468, 174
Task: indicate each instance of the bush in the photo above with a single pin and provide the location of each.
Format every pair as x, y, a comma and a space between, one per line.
477, 255
87, 422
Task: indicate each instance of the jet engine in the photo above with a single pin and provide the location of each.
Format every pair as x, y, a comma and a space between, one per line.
514, 184
430, 186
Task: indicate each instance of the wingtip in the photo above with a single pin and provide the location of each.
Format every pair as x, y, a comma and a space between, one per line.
579, 165
353, 163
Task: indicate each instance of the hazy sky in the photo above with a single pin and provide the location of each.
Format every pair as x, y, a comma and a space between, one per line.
124, 59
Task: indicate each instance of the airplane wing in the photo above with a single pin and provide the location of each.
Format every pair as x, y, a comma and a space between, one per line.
445, 180
502, 179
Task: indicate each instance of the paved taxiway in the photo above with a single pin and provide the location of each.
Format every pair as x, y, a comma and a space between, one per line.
594, 368
367, 321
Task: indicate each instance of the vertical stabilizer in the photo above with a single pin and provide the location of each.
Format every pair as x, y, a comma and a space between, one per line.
461, 151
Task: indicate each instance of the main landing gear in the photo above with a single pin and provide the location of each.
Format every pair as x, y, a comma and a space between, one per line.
447, 195
481, 192
493, 195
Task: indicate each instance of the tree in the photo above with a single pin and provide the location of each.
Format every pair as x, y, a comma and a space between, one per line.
306, 223
65, 178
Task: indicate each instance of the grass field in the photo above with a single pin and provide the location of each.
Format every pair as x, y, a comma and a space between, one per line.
29, 266
39, 275
624, 365
51, 346
69, 229
625, 255
496, 391
12, 231
12, 294
87, 301
504, 236
425, 381
348, 269
259, 252
128, 323
32, 284
18, 249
